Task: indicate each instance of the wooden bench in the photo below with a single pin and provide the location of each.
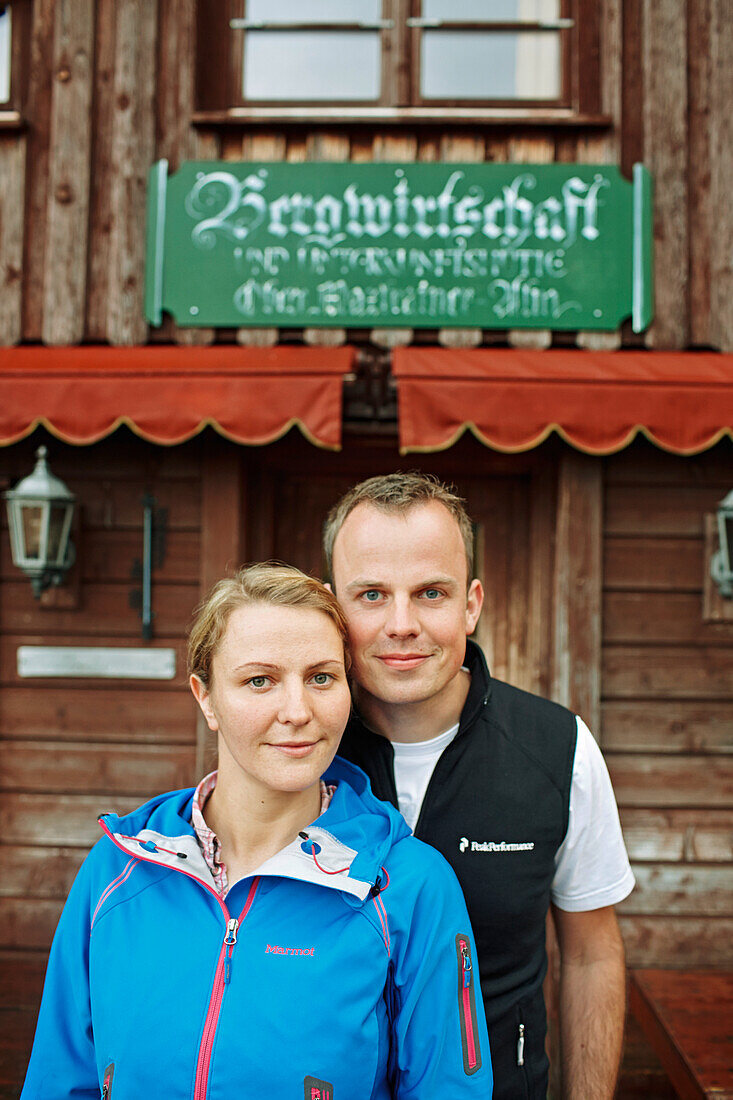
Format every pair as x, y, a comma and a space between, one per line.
687, 1016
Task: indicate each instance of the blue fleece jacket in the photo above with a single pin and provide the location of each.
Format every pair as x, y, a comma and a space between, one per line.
341, 970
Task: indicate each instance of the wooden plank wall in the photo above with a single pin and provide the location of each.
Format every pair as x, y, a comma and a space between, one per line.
667, 719
72, 750
111, 90
667, 706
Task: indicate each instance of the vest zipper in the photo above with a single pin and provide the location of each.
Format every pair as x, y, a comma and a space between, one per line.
467, 1007
222, 977
520, 1046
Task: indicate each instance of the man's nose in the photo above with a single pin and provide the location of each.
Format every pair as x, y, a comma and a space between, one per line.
401, 619
295, 709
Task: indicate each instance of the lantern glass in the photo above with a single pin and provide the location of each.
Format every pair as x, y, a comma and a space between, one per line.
57, 530
32, 521
728, 528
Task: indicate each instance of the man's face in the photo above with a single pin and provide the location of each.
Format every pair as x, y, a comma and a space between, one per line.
401, 580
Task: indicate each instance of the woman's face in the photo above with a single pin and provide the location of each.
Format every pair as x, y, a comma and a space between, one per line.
278, 698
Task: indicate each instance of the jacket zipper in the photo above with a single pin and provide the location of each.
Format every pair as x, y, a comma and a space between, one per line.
467, 1006
520, 1046
107, 1081
222, 977
466, 995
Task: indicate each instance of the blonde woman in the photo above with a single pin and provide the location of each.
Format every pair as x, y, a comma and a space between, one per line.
276, 932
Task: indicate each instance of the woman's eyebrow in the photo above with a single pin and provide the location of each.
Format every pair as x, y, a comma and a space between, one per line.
255, 664
324, 663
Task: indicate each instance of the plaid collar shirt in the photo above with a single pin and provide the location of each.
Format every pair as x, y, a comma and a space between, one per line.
208, 840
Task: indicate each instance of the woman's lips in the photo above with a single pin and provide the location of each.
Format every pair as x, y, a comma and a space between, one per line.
403, 660
296, 748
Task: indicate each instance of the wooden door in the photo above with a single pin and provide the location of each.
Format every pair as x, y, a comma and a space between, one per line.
291, 486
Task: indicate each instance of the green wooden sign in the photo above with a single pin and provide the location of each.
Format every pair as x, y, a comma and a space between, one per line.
494, 246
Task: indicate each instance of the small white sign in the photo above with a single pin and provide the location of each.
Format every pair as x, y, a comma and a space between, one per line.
119, 663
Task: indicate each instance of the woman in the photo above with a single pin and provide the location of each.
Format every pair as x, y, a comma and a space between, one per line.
277, 932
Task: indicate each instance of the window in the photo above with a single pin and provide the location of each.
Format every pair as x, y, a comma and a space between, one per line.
406, 59
14, 38
5, 54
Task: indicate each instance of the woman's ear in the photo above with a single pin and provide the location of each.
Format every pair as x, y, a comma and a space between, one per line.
202, 695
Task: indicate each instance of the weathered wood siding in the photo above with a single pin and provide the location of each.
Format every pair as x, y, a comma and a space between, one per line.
72, 749
667, 706
111, 90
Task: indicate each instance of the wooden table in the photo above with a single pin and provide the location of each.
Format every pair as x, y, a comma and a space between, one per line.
687, 1016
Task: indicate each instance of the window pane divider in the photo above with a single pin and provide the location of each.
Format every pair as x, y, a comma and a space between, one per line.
276, 25
518, 25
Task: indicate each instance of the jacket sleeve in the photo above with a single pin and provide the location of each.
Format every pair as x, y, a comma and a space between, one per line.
62, 1063
440, 1046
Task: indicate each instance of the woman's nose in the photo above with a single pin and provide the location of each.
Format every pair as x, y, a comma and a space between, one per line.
295, 708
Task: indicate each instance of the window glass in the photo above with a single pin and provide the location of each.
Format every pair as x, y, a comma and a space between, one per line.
485, 65
314, 11
479, 11
308, 65
5, 56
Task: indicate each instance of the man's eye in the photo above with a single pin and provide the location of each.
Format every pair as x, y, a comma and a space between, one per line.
432, 593
371, 595
321, 679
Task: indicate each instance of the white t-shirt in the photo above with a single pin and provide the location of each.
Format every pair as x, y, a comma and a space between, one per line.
591, 865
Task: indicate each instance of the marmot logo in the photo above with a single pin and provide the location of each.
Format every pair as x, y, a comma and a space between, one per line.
273, 949
494, 846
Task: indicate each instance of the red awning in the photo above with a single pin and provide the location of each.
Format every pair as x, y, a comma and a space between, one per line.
598, 401
168, 394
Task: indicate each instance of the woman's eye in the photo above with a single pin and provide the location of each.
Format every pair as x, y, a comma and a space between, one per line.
257, 682
322, 678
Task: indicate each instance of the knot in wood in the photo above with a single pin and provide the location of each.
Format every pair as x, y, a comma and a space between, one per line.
64, 193
64, 75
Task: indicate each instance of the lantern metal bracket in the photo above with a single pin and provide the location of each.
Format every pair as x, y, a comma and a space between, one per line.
53, 577
155, 525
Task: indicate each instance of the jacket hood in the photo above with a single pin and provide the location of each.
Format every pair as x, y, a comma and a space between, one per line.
345, 848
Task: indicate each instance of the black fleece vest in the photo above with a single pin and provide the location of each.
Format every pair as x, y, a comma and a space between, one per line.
497, 808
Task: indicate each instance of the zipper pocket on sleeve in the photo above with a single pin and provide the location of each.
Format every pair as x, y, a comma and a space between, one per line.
467, 1006
107, 1081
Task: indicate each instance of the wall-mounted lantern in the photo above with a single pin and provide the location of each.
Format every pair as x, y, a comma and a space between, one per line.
721, 565
40, 511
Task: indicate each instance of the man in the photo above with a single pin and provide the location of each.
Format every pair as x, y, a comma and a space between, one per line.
511, 788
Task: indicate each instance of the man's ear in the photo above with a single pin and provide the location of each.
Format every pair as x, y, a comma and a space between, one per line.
202, 695
474, 603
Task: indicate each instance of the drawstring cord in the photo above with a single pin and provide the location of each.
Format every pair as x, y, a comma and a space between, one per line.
311, 850
151, 846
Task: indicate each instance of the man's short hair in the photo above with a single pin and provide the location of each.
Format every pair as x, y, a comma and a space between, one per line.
398, 493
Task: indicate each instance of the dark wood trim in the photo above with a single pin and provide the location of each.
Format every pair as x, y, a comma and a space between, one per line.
222, 510
586, 64
577, 588
632, 90
20, 34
